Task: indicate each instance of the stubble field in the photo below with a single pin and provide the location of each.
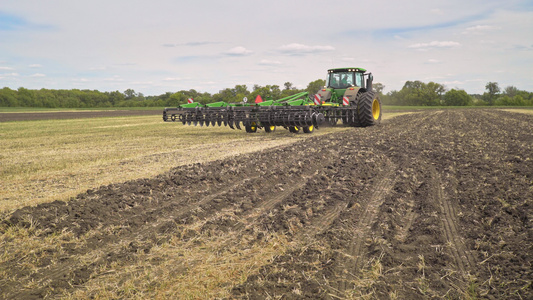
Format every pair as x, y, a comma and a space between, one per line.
434, 204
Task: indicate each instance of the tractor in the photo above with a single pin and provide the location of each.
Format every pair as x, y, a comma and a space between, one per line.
347, 97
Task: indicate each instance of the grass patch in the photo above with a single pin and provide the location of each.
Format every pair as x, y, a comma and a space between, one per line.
522, 110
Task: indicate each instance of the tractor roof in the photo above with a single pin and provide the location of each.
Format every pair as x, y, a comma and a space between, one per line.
347, 70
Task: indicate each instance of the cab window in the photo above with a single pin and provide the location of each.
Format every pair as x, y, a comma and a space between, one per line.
341, 80
359, 79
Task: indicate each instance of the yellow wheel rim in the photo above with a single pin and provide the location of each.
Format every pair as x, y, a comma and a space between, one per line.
311, 128
272, 128
253, 126
376, 110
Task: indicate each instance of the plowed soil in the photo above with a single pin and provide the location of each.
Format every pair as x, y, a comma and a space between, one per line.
427, 205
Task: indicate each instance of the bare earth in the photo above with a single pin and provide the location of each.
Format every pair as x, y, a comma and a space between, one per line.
432, 204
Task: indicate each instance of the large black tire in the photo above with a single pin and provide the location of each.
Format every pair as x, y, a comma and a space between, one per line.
369, 109
354, 116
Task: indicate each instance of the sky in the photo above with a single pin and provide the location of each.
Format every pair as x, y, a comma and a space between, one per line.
160, 46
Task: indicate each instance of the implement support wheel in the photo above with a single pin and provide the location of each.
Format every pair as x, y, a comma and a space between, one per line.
251, 127
309, 129
270, 128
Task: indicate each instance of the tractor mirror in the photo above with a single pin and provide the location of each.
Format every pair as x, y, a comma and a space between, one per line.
369, 82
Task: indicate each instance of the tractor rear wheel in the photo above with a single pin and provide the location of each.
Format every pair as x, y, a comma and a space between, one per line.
369, 109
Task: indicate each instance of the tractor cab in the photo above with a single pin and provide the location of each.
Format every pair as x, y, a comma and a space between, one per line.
347, 77
345, 83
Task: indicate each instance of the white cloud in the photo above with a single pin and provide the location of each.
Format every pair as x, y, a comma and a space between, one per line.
6, 68
453, 82
435, 45
115, 78
433, 61
35, 66
238, 51
300, 49
478, 29
38, 75
266, 62
173, 79
99, 68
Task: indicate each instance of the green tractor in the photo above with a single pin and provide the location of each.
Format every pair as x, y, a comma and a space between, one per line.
347, 97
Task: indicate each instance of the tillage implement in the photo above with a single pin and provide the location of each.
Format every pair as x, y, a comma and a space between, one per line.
347, 98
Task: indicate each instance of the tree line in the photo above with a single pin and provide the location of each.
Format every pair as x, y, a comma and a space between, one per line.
435, 94
76, 98
412, 93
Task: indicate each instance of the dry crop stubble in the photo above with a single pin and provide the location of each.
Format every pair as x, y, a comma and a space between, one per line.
47, 160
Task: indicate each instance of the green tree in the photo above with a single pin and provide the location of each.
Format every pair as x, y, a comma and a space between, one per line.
177, 99
129, 94
511, 91
314, 86
455, 97
433, 93
378, 87
25, 97
266, 92
8, 97
115, 97
418, 93
288, 86
492, 92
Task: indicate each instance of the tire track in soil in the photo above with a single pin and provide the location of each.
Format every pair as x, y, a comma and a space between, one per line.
408, 221
461, 256
361, 232
249, 218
